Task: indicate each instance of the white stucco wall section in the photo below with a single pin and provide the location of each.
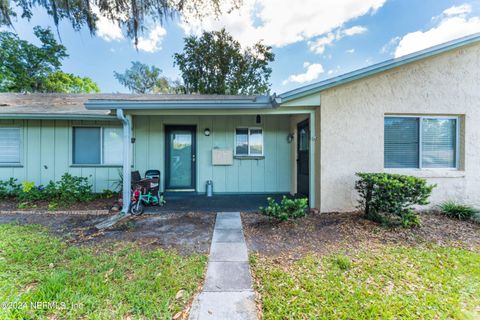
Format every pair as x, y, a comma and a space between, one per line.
352, 125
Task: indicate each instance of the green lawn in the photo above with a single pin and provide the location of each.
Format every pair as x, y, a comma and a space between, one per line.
386, 283
96, 282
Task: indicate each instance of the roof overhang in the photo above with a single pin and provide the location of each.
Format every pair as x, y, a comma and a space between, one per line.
257, 102
53, 116
376, 68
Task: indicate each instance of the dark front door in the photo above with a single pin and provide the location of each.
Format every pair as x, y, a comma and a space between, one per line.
180, 158
303, 147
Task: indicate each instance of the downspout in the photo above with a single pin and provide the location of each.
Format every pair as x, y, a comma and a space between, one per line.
275, 100
127, 163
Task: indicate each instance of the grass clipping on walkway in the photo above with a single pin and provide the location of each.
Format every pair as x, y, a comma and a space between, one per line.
41, 276
385, 283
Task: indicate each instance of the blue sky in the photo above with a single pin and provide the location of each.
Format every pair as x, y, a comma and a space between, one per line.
312, 39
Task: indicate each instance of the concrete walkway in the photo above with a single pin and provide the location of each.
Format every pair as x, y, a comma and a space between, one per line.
227, 292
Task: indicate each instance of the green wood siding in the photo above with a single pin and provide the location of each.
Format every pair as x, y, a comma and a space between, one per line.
47, 152
271, 174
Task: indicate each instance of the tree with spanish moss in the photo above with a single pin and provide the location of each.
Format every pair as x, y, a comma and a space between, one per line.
133, 16
216, 63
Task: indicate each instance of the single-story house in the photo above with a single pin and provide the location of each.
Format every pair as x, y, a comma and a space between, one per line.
417, 115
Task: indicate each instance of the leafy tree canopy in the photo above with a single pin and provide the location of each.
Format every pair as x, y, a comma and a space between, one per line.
132, 16
69, 83
141, 78
215, 63
27, 67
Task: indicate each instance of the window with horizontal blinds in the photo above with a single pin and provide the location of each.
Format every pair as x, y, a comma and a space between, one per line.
10, 145
401, 142
439, 138
420, 142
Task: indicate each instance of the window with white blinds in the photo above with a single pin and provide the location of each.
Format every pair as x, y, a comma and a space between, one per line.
10, 145
401, 142
439, 143
420, 142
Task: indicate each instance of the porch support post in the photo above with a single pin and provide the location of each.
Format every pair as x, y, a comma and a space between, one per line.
311, 160
127, 161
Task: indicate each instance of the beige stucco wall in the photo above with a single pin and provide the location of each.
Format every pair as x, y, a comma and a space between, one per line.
352, 118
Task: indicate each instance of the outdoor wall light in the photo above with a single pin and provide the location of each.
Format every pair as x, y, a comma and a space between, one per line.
258, 119
290, 137
207, 132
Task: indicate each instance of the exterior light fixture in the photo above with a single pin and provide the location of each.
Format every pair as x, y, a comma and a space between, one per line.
290, 137
207, 132
258, 119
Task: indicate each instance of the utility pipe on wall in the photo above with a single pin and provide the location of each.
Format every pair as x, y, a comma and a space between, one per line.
127, 163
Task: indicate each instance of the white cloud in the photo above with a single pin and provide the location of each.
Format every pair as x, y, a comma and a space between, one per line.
313, 71
392, 44
153, 42
354, 30
351, 51
319, 45
458, 10
107, 30
454, 24
279, 22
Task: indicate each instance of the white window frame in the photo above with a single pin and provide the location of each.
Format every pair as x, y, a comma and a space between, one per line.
102, 164
248, 142
20, 160
420, 140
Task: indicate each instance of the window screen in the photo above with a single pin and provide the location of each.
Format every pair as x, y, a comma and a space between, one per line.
112, 146
401, 142
439, 138
10, 145
256, 142
86, 145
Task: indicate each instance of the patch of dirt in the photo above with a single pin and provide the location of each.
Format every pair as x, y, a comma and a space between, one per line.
343, 232
188, 232
97, 204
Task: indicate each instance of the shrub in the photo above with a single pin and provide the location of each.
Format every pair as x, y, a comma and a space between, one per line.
71, 189
29, 193
9, 188
388, 198
68, 190
457, 211
476, 217
286, 209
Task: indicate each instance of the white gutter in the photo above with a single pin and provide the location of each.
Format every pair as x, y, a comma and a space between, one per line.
127, 163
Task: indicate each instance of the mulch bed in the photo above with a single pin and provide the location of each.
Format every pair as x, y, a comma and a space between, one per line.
343, 232
97, 204
188, 232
